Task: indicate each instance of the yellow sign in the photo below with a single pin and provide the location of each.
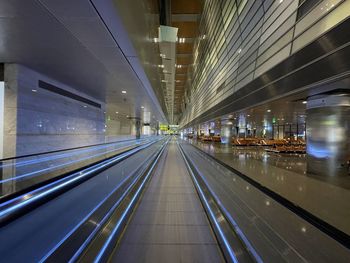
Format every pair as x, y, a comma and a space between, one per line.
163, 127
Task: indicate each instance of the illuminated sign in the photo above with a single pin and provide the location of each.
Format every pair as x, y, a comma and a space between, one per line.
163, 127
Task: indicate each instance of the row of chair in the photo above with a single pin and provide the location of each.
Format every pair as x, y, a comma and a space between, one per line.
253, 141
288, 149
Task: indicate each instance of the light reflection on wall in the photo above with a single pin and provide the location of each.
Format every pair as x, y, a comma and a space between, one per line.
226, 132
327, 132
2, 105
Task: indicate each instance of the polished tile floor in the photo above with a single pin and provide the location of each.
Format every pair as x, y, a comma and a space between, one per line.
275, 233
292, 162
326, 199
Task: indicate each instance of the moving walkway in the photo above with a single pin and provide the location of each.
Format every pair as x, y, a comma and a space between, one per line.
163, 202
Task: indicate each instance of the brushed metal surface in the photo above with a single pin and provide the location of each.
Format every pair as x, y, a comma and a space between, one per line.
322, 59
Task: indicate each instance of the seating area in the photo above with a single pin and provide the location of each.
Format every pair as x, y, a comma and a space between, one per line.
216, 138
272, 145
210, 138
246, 142
277, 145
288, 149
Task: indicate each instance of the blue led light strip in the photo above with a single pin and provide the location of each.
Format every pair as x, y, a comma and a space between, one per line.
229, 217
227, 245
126, 211
67, 154
58, 166
93, 211
28, 198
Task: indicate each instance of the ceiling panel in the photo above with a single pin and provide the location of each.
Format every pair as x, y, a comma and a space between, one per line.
186, 28
184, 60
184, 48
186, 6
72, 45
180, 71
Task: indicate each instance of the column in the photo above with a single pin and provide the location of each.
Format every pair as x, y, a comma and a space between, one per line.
226, 132
328, 134
137, 128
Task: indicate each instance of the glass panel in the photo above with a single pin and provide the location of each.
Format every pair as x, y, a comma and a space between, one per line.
323, 8
337, 15
287, 38
274, 60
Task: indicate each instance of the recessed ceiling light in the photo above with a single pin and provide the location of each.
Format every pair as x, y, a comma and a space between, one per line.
124, 91
304, 102
248, 115
268, 110
142, 107
34, 90
117, 112
85, 106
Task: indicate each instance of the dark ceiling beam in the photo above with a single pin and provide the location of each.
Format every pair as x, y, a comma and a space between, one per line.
165, 12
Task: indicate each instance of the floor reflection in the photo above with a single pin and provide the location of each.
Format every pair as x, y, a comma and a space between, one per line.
259, 160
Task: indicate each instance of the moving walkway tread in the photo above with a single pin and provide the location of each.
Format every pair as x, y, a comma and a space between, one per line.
169, 224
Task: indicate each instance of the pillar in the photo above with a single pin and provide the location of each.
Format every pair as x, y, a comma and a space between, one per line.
226, 132
328, 134
137, 128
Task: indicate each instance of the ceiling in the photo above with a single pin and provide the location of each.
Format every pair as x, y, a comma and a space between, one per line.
185, 15
82, 44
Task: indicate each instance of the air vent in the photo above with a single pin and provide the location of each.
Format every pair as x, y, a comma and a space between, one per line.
65, 93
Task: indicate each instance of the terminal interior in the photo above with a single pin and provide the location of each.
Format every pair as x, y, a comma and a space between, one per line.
175, 131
